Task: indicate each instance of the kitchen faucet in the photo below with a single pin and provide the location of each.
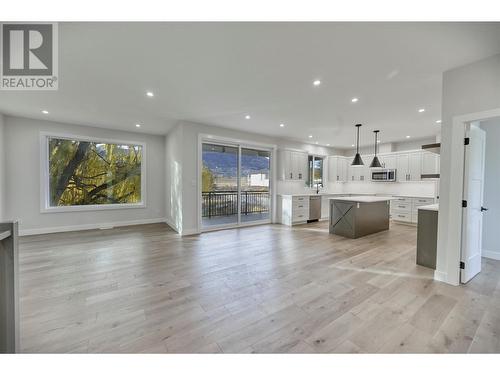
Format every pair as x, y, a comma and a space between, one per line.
317, 188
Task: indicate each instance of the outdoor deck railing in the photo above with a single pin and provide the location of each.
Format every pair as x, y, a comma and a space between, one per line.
225, 203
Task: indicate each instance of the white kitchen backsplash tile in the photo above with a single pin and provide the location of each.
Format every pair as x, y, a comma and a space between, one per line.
418, 189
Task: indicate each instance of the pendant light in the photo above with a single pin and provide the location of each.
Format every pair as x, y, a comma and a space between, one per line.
357, 162
375, 162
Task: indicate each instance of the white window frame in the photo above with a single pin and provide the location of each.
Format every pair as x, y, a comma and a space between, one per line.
45, 206
323, 182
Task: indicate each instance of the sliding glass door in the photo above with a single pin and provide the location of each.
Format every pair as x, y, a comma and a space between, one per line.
235, 185
255, 194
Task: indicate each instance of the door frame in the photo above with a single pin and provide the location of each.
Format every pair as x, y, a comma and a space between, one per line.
450, 229
239, 143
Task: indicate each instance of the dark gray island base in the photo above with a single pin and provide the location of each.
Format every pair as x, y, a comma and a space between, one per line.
355, 217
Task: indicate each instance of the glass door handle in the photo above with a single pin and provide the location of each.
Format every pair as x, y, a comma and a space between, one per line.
484, 209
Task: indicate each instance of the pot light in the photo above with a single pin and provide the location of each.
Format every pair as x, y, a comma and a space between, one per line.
150, 94
378, 141
316, 82
247, 117
354, 100
328, 144
137, 125
421, 110
282, 125
438, 121
408, 136
310, 136
45, 112
316, 143
353, 145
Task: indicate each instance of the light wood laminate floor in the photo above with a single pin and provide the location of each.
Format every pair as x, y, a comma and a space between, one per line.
262, 289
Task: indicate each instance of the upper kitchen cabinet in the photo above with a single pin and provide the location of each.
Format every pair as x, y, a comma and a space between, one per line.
292, 165
409, 166
337, 169
389, 161
430, 163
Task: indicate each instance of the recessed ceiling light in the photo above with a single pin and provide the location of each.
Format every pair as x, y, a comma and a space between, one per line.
378, 141
354, 100
150, 94
137, 125
45, 112
328, 144
310, 136
421, 110
282, 125
408, 136
247, 117
317, 143
352, 145
316, 82
438, 121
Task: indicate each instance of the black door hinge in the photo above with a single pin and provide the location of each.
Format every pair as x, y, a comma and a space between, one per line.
466, 141
464, 204
462, 265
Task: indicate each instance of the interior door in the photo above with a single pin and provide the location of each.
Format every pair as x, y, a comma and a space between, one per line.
472, 221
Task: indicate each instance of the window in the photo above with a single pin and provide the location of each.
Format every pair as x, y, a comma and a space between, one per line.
84, 173
315, 175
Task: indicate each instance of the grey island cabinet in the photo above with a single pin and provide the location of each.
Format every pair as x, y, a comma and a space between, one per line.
427, 235
358, 216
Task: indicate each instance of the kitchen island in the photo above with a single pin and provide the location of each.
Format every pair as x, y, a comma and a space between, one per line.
358, 216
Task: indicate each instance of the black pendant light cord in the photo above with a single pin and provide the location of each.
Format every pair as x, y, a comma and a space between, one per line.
357, 143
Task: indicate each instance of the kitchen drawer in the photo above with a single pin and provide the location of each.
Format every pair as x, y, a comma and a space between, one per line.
402, 216
300, 215
417, 202
399, 206
300, 198
403, 200
300, 205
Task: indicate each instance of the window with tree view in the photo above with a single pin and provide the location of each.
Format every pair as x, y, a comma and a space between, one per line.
93, 173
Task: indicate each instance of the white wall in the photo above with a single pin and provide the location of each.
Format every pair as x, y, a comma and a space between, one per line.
2, 168
173, 178
491, 219
22, 145
469, 89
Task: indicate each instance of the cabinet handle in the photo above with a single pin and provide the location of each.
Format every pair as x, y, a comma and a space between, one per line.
337, 178
291, 175
300, 176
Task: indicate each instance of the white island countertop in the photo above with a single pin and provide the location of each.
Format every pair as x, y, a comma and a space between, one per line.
430, 207
363, 199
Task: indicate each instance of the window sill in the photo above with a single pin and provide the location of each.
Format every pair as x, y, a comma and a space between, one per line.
99, 207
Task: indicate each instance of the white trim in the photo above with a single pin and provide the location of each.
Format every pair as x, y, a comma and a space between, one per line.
491, 254
72, 228
44, 175
450, 232
190, 232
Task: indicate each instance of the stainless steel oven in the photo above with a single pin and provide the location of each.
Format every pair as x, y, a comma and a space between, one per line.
384, 175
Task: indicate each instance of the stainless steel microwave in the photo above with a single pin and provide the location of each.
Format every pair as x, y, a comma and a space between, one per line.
384, 175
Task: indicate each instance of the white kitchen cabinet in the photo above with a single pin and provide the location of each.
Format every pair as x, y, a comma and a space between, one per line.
415, 166
337, 169
293, 209
430, 163
402, 167
292, 165
389, 161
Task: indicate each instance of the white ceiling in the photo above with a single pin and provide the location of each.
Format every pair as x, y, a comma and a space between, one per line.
216, 73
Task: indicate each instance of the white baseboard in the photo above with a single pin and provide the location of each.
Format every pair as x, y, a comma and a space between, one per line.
189, 232
72, 228
440, 276
171, 224
491, 254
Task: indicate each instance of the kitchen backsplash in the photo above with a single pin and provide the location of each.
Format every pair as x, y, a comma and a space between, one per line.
419, 189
